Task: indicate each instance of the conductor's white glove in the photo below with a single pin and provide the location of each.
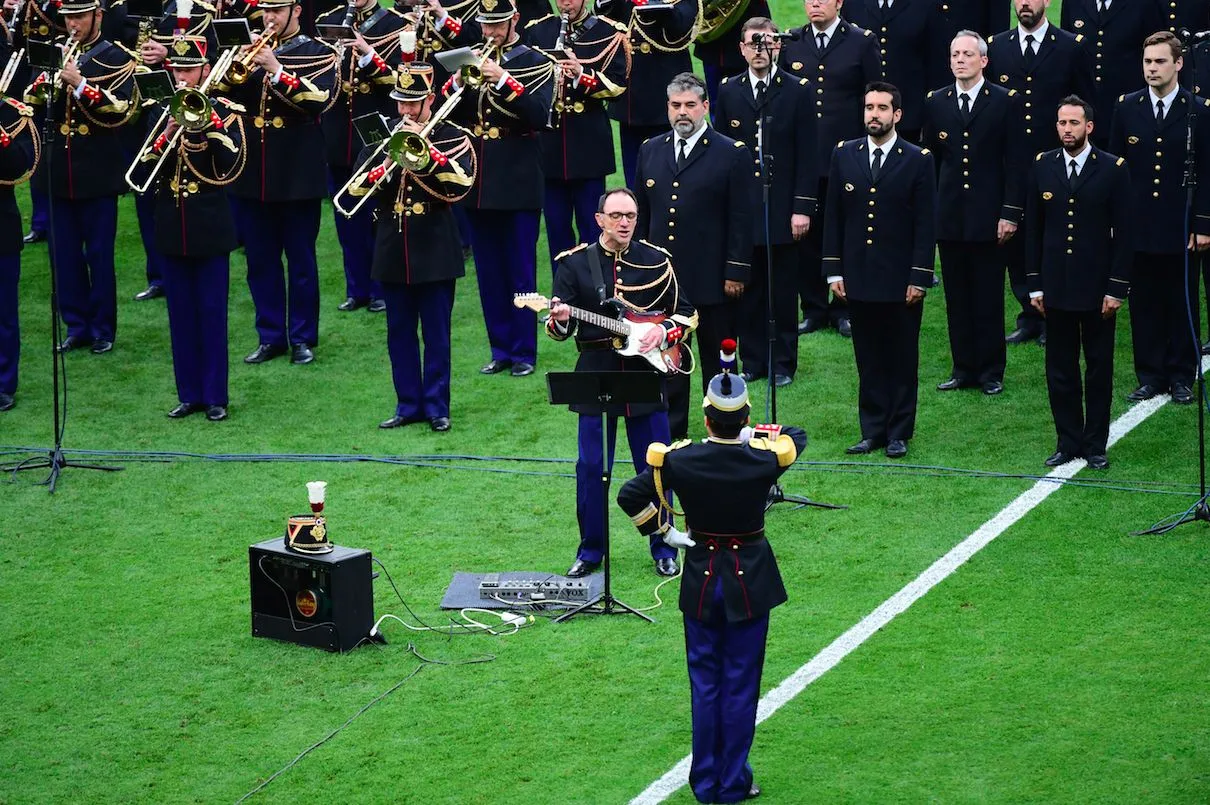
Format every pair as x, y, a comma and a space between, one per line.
676, 538
745, 434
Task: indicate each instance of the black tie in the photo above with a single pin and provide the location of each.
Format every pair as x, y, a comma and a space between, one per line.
680, 158
822, 40
1028, 58
1102, 7
966, 107
883, 4
1074, 172
1159, 111
760, 94
876, 168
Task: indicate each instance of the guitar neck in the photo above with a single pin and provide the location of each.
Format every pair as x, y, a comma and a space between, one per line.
604, 322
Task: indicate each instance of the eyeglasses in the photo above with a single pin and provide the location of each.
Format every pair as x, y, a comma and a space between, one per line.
617, 216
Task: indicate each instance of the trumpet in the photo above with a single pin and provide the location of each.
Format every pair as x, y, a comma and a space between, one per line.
241, 68
69, 55
472, 74
191, 108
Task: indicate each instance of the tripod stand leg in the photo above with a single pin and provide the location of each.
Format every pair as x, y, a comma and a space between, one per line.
602, 605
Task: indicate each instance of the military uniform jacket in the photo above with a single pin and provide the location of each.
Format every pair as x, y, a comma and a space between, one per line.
1078, 246
579, 144
790, 138
361, 90
192, 214
981, 165
914, 38
284, 141
1060, 68
19, 153
1114, 44
88, 161
504, 124
985, 17
1155, 155
459, 29
659, 46
879, 235
722, 486
416, 237
838, 78
642, 278
702, 214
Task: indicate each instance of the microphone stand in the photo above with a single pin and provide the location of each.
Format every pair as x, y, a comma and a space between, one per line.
776, 493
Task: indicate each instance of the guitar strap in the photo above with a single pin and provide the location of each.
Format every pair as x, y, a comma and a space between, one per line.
594, 266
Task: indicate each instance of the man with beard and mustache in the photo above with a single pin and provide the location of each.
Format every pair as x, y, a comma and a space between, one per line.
1078, 212
1043, 63
878, 255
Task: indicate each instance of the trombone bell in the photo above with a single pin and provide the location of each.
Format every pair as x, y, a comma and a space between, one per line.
190, 108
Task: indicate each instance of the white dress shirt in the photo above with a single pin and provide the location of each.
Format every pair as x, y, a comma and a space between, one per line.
1038, 36
690, 141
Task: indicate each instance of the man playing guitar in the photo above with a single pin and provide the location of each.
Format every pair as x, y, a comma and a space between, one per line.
638, 277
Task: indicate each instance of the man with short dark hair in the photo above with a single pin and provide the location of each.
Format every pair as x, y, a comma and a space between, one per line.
1078, 213
878, 255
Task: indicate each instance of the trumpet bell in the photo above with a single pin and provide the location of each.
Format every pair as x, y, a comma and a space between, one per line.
471, 75
238, 73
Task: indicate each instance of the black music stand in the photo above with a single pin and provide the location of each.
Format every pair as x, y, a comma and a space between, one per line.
603, 390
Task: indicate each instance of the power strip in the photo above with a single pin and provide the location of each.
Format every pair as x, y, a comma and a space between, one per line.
493, 588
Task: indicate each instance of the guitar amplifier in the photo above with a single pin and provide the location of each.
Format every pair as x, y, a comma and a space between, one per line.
324, 600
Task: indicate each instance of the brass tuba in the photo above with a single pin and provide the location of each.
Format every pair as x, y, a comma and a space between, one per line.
718, 16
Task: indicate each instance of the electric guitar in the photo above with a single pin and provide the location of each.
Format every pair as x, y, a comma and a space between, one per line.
629, 328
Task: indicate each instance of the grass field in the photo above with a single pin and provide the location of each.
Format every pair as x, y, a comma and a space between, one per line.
1067, 662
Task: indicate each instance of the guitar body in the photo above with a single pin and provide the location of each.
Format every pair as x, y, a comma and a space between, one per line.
665, 361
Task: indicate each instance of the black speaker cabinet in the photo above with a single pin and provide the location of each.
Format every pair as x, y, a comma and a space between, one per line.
325, 600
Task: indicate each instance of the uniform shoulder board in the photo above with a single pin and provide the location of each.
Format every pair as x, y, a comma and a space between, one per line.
1079, 37
739, 143
1121, 161
839, 144
1122, 97
725, 79
803, 81
923, 151
990, 38
617, 26
532, 23
235, 107
657, 450
1012, 92
930, 93
783, 447
1208, 102
1038, 158
657, 248
573, 250
866, 32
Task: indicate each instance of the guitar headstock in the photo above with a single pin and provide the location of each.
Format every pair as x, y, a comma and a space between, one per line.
534, 301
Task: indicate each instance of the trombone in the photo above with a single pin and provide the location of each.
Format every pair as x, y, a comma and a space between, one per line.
411, 148
191, 108
240, 68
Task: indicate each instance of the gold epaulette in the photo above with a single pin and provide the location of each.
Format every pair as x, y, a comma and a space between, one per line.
657, 248
657, 450
25, 110
783, 447
572, 250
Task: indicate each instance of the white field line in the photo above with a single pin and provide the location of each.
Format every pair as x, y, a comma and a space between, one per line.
848, 642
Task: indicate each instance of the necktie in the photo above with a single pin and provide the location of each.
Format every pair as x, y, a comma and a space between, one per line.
884, 4
876, 168
1159, 111
1074, 171
680, 157
966, 107
822, 39
1028, 57
1102, 7
760, 93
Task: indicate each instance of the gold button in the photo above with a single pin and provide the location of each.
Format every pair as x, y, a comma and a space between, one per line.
65, 129
1069, 251
1071, 226
706, 572
671, 224
418, 208
966, 147
1029, 131
966, 187
966, 173
578, 106
1029, 117
676, 184
278, 122
363, 88
869, 229
1070, 239
1157, 181
192, 187
710, 547
645, 48
871, 202
739, 572
674, 196
870, 215
672, 210
1071, 201
1071, 212
671, 237
1156, 194
493, 133
869, 243
1159, 153
1157, 167
873, 189
258, 121
398, 208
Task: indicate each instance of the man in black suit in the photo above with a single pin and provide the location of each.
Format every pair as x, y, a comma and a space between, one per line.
695, 190
838, 59
878, 254
971, 128
1045, 64
1149, 131
767, 106
1078, 211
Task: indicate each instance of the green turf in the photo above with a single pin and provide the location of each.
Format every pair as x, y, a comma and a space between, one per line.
1065, 663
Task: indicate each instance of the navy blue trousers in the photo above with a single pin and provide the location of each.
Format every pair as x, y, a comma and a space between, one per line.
356, 236
640, 432
505, 245
197, 289
82, 253
565, 197
712, 74
39, 203
422, 387
10, 327
144, 208
269, 229
630, 138
725, 662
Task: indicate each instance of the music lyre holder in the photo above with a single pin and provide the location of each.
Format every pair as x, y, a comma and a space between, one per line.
776, 493
604, 390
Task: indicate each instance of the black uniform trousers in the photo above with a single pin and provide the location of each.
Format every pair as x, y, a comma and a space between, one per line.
1081, 413
714, 323
1165, 350
886, 344
974, 308
812, 285
754, 315
1028, 317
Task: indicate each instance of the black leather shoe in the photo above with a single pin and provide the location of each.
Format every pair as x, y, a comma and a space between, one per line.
34, 236
70, 343
216, 413
580, 568
896, 448
863, 447
301, 353
666, 567
750, 376
6, 401
100, 346
781, 381
753, 792
150, 292
350, 304
1182, 394
1098, 462
844, 328
1058, 458
398, 421
1144, 392
265, 352
440, 423
807, 326
185, 409
993, 387
1206, 348
953, 384
377, 305
1042, 339
495, 367
521, 369
1022, 335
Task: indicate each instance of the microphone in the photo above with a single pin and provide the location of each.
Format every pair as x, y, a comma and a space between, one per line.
766, 37
1190, 37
